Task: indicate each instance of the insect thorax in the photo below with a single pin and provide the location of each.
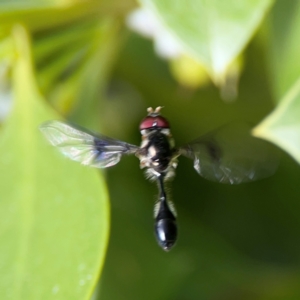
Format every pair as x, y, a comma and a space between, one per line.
157, 153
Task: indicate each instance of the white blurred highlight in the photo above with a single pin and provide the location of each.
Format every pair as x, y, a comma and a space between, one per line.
144, 22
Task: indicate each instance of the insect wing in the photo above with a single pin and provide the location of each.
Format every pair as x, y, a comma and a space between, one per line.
231, 155
87, 148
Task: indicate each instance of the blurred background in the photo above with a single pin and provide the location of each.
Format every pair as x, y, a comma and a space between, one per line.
100, 64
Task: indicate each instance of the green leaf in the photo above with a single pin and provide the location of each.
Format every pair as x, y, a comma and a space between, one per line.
284, 46
33, 4
6, 48
104, 50
47, 14
282, 126
214, 32
54, 213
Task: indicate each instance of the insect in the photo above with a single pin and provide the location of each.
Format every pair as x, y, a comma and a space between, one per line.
227, 155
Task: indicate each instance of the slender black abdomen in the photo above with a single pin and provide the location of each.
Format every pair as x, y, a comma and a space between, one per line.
165, 221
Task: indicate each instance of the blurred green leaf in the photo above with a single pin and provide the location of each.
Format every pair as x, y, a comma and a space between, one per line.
189, 72
33, 4
215, 32
104, 49
6, 48
48, 14
282, 126
74, 64
54, 213
283, 46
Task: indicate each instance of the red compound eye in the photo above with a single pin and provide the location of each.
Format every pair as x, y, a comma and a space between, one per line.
157, 121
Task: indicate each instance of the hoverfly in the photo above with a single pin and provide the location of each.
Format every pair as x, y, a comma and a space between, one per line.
227, 155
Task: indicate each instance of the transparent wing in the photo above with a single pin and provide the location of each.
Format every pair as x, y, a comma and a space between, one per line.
231, 155
87, 148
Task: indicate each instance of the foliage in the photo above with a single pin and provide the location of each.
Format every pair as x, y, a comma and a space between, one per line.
79, 58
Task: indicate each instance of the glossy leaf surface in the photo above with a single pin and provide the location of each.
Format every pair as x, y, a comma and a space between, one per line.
283, 46
214, 32
282, 126
54, 213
